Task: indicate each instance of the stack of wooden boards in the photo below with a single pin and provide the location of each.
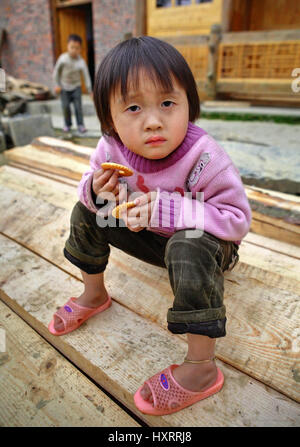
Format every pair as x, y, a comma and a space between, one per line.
129, 342
275, 214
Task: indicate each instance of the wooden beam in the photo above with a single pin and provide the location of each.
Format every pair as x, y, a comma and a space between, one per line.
68, 3
55, 30
226, 15
260, 36
140, 17
213, 47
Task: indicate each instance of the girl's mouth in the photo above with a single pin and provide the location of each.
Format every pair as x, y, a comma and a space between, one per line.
155, 141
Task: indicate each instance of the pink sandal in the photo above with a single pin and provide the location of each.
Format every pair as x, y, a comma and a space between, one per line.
165, 391
73, 315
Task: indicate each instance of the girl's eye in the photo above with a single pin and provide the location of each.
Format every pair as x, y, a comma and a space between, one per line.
133, 108
167, 104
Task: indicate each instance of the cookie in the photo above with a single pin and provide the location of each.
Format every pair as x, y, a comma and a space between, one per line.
120, 208
123, 170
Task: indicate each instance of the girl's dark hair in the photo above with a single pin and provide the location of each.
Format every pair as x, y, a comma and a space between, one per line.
160, 59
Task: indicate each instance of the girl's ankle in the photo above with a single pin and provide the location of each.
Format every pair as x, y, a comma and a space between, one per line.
93, 299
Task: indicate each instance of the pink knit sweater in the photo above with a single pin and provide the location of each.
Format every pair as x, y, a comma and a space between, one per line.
197, 185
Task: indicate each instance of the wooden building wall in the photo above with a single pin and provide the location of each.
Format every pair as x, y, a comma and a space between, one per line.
264, 15
182, 20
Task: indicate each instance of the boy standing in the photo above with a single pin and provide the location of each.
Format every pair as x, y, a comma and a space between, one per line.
66, 75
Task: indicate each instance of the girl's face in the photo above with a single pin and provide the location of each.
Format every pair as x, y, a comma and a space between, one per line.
150, 113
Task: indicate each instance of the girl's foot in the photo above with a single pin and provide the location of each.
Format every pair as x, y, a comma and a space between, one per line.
66, 128
192, 376
83, 300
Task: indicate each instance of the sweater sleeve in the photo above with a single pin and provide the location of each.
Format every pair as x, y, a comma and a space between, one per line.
56, 71
222, 208
85, 191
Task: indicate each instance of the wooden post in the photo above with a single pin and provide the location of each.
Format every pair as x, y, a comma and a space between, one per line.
140, 17
227, 8
56, 51
213, 43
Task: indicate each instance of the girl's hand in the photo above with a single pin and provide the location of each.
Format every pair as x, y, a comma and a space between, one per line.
138, 218
105, 181
57, 89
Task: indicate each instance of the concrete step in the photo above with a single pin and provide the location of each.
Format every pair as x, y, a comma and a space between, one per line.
234, 107
53, 107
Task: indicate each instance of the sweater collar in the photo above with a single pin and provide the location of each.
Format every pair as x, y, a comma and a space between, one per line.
142, 164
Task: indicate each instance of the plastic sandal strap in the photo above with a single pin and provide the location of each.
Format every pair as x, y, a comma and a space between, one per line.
166, 391
71, 314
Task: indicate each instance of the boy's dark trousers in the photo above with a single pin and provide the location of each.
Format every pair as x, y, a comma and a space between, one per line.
66, 98
195, 265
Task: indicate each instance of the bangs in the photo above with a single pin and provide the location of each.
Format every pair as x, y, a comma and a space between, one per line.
128, 71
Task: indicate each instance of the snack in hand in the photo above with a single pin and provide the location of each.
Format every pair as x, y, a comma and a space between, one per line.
124, 171
120, 208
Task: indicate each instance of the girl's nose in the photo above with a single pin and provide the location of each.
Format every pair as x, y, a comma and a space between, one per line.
153, 122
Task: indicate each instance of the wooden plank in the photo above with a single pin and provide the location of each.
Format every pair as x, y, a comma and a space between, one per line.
269, 261
260, 86
46, 174
269, 198
63, 4
141, 17
290, 199
68, 161
230, 104
274, 228
261, 36
257, 295
127, 348
273, 244
40, 388
56, 163
57, 145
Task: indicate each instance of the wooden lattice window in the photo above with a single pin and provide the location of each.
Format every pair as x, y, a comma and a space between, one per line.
274, 60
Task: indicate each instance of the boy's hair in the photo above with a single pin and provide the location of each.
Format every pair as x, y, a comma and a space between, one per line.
75, 38
160, 59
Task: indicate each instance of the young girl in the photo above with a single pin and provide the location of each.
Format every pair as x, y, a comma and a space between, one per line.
146, 100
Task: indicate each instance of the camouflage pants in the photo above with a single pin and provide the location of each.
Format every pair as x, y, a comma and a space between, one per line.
195, 266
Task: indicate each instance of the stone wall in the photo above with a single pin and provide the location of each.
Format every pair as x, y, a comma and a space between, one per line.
28, 50
112, 19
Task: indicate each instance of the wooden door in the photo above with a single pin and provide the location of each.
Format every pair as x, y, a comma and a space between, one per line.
73, 21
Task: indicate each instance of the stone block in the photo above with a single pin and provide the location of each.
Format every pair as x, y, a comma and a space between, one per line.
24, 127
267, 167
